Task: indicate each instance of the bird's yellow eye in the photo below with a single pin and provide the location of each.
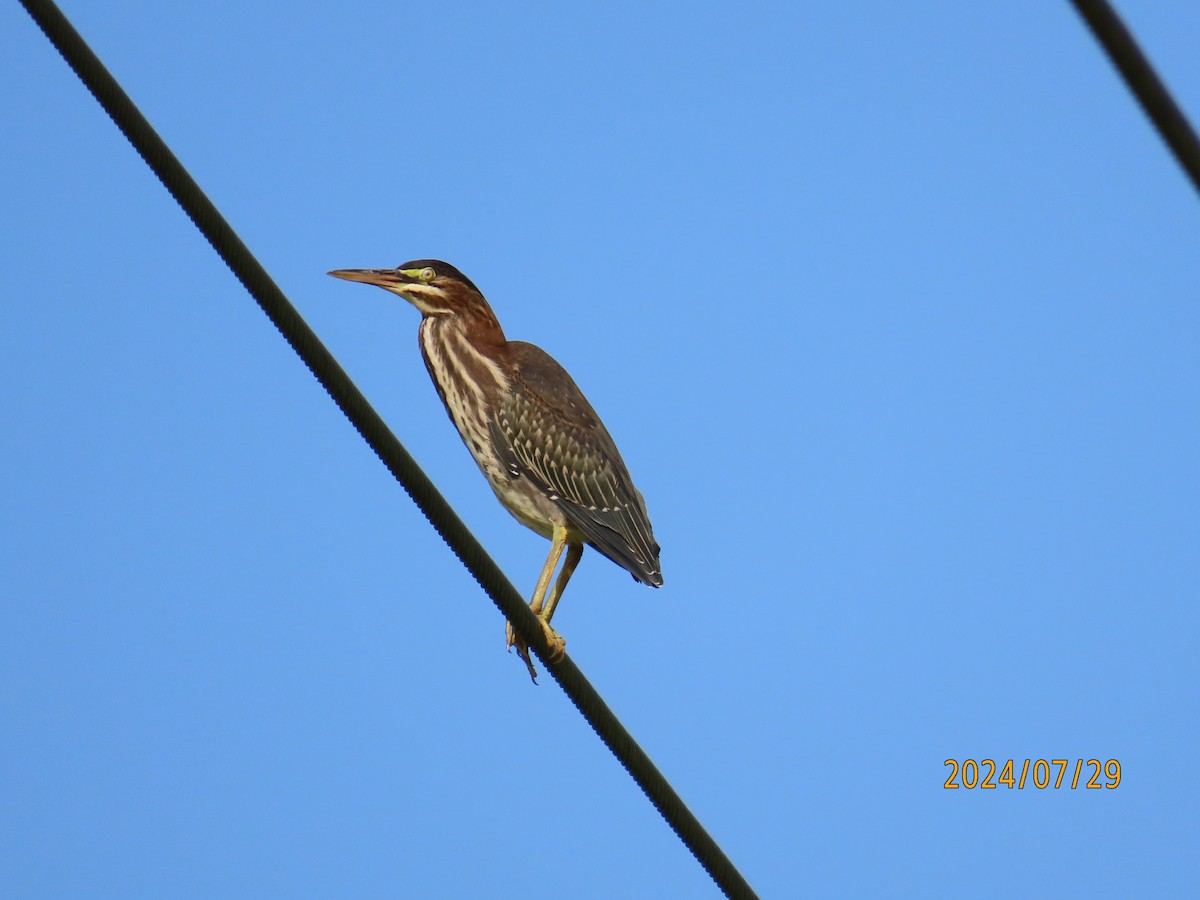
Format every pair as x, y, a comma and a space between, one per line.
427, 274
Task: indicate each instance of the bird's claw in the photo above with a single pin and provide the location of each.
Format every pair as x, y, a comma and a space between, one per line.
512, 639
558, 645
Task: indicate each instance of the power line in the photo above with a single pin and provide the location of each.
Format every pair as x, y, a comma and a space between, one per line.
350, 400
1144, 82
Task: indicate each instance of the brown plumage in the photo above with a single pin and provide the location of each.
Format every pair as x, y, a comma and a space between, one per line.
544, 451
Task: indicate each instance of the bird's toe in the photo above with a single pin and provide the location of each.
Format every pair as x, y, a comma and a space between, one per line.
558, 644
512, 639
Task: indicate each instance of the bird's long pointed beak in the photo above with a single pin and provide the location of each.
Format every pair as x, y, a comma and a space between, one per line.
384, 278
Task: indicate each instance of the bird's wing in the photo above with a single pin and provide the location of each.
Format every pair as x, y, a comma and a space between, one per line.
552, 436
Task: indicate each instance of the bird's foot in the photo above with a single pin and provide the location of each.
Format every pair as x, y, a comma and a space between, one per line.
558, 645
512, 639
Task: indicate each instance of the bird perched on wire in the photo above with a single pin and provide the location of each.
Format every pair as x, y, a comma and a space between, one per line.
535, 437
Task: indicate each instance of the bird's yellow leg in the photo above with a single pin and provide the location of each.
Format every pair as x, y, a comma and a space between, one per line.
574, 554
558, 541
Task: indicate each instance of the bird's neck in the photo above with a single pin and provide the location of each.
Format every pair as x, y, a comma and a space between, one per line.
462, 353
483, 332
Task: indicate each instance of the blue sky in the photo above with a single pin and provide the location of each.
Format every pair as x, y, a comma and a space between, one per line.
892, 309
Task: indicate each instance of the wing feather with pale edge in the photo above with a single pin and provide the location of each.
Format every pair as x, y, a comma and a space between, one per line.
550, 434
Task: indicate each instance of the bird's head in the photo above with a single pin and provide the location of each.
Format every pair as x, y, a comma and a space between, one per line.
434, 287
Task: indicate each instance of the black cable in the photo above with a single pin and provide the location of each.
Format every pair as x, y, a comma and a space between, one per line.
373, 429
1147, 87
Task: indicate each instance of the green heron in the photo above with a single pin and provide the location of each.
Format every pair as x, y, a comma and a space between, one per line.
535, 437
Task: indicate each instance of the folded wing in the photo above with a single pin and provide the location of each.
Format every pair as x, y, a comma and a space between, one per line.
551, 435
